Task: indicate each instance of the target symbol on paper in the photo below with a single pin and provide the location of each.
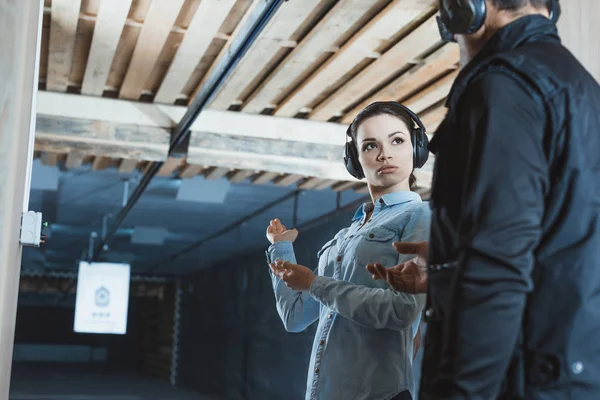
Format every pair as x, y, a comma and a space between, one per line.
102, 297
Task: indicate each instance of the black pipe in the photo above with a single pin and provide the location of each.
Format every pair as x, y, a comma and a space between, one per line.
260, 16
225, 230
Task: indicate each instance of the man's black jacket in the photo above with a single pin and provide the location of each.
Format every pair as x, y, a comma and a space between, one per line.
514, 275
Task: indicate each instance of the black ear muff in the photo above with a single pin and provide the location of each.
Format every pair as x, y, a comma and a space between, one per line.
462, 16
420, 147
351, 160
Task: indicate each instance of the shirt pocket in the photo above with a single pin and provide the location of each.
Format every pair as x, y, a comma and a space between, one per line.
375, 245
323, 257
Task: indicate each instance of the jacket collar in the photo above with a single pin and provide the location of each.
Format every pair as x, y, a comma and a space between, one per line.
523, 30
387, 200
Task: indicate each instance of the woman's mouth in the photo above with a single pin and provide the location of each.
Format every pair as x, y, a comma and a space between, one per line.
388, 169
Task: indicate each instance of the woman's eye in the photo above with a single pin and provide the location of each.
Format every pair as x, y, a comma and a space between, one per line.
398, 141
369, 146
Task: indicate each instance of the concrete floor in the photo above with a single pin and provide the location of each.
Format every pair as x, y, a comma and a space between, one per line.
85, 382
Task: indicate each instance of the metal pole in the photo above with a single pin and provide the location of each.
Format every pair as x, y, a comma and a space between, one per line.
21, 24
260, 16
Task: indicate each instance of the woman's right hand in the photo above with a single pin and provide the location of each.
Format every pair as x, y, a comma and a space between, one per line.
277, 232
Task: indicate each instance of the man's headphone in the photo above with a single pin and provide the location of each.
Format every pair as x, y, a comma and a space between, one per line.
418, 139
468, 16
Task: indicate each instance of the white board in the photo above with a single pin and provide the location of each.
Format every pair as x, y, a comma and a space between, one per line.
102, 299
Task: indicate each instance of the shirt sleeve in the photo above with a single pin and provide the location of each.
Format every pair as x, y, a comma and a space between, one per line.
297, 310
375, 307
499, 229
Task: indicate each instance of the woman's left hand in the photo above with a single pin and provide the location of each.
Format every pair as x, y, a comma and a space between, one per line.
296, 277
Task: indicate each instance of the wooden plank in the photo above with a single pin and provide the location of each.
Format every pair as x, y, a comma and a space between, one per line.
63, 135
74, 160
432, 94
326, 184
207, 20
264, 178
101, 163
377, 34
340, 187
216, 173
20, 23
49, 159
127, 166
165, 116
362, 189
294, 68
435, 65
63, 28
170, 166
157, 26
189, 171
241, 176
433, 118
380, 71
107, 32
288, 180
310, 183
281, 27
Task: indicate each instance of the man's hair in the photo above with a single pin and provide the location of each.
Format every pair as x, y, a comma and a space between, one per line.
517, 4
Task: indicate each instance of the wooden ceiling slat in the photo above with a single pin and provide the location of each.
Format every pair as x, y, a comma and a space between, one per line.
157, 26
433, 66
432, 94
380, 71
205, 24
390, 22
241, 176
317, 44
107, 32
170, 165
63, 29
433, 117
290, 16
127, 166
74, 160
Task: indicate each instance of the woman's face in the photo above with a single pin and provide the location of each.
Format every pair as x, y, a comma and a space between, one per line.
385, 151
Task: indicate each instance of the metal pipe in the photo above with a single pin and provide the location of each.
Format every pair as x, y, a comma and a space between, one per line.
260, 16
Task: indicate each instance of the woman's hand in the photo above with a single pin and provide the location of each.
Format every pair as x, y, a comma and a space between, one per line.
277, 232
296, 277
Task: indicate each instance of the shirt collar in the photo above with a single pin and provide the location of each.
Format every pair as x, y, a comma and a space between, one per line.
387, 200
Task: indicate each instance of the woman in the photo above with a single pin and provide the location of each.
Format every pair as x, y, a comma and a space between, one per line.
364, 343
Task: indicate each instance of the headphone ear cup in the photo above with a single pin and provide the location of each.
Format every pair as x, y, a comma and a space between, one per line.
351, 160
420, 148
465, 16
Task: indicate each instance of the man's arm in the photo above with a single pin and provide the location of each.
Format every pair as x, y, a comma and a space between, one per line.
499, 228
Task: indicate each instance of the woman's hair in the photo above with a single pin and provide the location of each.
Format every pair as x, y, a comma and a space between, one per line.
380, 108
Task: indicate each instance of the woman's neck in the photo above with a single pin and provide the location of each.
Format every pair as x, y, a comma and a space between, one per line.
379, 191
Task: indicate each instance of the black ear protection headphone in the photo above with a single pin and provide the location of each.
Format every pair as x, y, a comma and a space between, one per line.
417, 136
468, 16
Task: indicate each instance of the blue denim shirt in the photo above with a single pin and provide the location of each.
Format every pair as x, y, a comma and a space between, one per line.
364, 342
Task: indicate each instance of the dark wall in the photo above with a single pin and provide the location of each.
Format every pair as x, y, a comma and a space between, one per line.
232, 343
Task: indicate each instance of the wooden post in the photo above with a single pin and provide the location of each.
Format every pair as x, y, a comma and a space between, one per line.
20, 31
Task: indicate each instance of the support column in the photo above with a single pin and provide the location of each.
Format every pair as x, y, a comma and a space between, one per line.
20, 31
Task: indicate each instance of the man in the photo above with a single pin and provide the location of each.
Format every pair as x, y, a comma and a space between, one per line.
513, 265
